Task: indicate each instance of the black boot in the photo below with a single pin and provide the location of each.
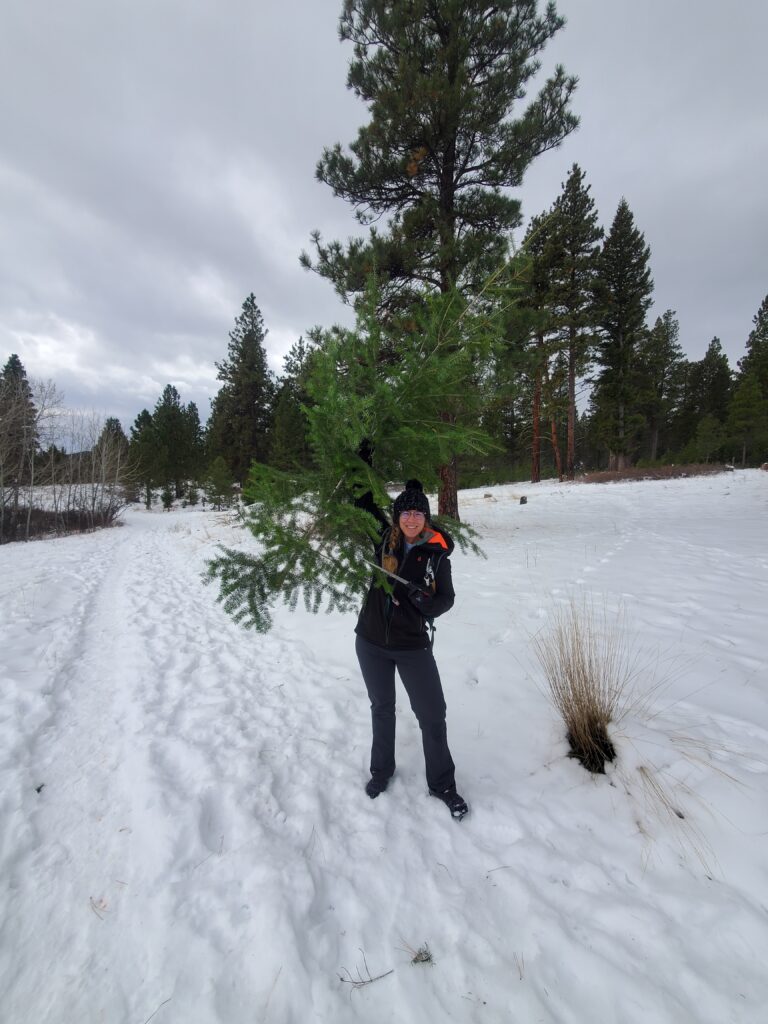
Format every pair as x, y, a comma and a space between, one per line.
456, 804
375, 785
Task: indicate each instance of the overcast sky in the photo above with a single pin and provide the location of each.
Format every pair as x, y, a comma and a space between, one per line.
157, 164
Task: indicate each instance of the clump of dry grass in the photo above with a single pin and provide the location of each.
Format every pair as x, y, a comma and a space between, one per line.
422, 955
588, 667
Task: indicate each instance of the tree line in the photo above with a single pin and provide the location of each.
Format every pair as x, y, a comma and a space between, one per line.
562, 370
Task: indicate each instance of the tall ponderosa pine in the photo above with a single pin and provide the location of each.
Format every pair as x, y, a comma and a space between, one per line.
536, 303
623, 292
241, 413
576, 237
441, 79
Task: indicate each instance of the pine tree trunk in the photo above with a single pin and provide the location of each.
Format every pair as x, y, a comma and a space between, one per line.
448, 497
654, 441
556, 448
570, 458
536, 444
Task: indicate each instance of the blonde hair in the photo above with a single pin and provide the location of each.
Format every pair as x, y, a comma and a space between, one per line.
388, 559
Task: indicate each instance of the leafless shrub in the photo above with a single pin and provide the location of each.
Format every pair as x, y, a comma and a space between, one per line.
74, 475
361, 981
588, 667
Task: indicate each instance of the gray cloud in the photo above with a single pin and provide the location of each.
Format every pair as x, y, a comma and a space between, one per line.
157, 164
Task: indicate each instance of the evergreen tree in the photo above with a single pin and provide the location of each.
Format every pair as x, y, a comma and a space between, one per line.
705, 388
18, 423
371, 420
747, 423
756, 360
576, 237
241, 413
289, 440
145, 455
660, 361
710, 437
218, 483
536, 303
171, 434
113, 434
713, 382
623, 293
193, 449
441, 81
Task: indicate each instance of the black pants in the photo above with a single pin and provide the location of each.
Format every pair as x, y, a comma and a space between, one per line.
420, 677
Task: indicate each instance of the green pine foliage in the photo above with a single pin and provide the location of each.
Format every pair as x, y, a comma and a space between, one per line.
747, 424
575, 240
756, 359
218, 484
623, 293
446, 138
660, 376
144, 454
313, 542
289, 447
241, 413
18, 426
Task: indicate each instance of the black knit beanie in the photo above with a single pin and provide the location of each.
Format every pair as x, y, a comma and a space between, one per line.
412, 498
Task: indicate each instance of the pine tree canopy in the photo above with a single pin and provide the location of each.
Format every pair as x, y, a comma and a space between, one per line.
312, 539
241, 415
441, 80
756, 360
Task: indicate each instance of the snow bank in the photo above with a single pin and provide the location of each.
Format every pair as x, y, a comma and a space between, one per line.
184, 835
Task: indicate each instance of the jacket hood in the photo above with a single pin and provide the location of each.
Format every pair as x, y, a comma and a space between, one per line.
435, 539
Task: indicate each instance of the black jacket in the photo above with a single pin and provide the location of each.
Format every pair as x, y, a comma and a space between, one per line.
403, 625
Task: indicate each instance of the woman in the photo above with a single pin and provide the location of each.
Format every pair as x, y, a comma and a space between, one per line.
392, 634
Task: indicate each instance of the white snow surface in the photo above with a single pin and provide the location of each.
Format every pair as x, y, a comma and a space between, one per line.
202, 850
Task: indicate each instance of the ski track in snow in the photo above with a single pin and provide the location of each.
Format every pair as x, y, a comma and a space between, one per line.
202, 849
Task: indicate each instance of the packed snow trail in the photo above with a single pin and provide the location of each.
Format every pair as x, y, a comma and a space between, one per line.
185, 834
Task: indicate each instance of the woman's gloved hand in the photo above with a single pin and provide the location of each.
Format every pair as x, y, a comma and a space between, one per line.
421, 600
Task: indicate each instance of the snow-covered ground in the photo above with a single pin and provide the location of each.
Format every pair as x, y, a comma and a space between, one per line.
184, 835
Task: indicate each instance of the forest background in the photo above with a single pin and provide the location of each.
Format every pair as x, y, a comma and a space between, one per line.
543, 350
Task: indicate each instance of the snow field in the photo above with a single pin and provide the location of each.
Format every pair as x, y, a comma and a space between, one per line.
202, 849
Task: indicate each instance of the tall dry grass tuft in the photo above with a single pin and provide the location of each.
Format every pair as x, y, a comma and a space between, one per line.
588, 667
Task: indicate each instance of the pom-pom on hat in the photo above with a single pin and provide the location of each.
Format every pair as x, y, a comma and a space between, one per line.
412, 498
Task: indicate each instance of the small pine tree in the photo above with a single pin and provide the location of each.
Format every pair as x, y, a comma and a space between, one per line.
167, 497
193, 496
144, 453
313, 539
218, 485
